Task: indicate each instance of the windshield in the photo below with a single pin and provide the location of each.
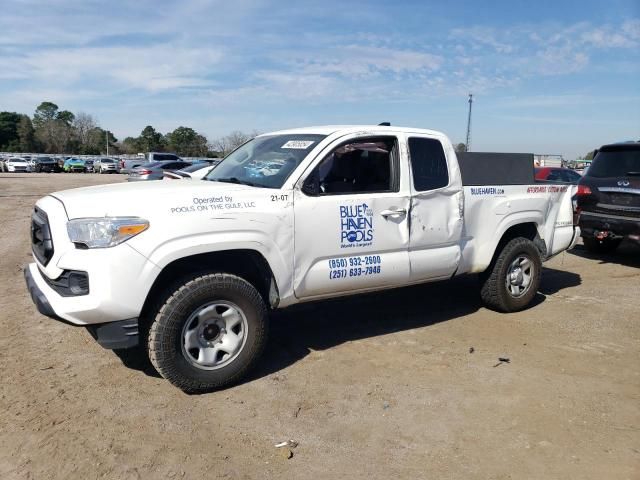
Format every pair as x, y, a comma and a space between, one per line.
616, 163
266, 161
106, 160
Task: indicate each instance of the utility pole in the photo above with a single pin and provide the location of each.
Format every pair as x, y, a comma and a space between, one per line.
468, 143
107, 137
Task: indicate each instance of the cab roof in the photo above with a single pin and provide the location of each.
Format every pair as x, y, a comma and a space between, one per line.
346, 129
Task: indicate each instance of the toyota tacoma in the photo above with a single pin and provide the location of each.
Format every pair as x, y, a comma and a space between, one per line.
191, 273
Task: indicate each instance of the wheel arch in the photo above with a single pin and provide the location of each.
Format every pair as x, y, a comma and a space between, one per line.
528, 230
247, 264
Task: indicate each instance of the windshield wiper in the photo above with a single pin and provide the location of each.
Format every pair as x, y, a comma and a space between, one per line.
633, 174
233, 180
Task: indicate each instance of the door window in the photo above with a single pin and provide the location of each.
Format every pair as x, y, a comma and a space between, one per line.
174, 165
365, 165
555, 176
428, 164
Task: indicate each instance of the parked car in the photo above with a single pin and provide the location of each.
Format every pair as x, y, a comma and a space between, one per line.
88, 165
197, 171
46, 164
556, 174
126, 165
17, 164
351, 210
105, 165
154, 170
608, 198
74, 165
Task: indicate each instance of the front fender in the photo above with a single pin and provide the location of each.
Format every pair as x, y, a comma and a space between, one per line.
276, 249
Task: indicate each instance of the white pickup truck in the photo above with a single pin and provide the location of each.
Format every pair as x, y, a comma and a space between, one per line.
293, 216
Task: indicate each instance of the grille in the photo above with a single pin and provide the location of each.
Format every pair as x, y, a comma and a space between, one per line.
41, 242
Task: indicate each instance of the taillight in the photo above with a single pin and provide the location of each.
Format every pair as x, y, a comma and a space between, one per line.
583, 190
144, 172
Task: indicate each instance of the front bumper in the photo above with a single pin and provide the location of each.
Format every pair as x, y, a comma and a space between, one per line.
110, 335
39, 298
616, 226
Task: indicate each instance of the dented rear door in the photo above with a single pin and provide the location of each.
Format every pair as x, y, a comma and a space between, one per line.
436, 221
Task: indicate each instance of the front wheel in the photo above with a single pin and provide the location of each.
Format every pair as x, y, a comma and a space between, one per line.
209, 332
513, 278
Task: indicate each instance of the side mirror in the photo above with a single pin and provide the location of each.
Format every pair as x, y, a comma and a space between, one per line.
311, 185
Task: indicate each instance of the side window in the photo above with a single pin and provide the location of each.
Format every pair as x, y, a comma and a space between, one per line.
172, 166
571, 176
428, 164
555, 176
366, 165
165, 156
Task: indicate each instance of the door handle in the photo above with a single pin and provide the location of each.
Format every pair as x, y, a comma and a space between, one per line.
394, 212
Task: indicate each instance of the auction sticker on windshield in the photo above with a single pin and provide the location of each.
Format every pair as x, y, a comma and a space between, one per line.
298, 144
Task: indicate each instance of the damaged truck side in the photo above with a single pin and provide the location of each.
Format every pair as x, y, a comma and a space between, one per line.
292, 216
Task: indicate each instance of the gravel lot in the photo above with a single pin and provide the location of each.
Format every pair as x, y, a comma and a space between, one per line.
375, 386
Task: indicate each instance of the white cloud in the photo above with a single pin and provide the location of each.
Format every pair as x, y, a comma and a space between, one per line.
367, 60
155, 68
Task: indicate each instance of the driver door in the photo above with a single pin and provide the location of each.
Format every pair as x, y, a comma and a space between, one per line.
351, 227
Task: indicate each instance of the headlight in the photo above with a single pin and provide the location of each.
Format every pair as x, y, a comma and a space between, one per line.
105, 232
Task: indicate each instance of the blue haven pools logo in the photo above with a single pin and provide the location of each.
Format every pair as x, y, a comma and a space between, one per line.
356, 226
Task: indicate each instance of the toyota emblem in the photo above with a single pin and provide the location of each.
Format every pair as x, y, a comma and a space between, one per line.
623, 183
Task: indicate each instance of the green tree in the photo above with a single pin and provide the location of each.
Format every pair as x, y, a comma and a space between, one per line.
97, 143
49, 130
187, 142
590, 155
130, 145
66, 116
460, 147
9, 122
46, 112
26, 135
150, 140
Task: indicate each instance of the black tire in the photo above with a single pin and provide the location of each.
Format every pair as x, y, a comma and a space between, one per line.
165, 337
594, 245
494, 291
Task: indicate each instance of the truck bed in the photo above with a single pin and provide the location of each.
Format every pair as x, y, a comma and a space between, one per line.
490, 210
486, 168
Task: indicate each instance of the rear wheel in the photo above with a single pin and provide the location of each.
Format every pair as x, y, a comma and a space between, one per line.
513, 278
594, 245
208, 333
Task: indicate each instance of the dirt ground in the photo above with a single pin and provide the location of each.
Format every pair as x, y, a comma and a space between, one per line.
374, 386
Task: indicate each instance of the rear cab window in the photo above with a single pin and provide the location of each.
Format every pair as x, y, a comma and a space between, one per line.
428, 164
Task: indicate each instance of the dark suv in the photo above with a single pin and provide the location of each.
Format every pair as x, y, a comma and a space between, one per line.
608, 198
45, 164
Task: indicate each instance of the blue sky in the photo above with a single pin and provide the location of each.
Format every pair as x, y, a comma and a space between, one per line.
547, 77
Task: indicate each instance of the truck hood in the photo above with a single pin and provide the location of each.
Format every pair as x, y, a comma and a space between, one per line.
144, 199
